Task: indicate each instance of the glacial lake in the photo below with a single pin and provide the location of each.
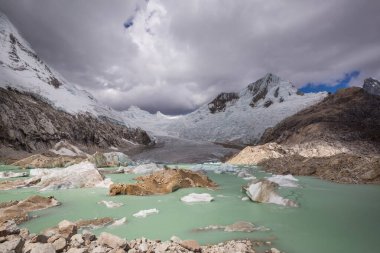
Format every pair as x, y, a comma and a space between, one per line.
330, 218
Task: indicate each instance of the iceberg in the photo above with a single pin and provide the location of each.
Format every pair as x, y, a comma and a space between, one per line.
197, 197
145, 213
110, 204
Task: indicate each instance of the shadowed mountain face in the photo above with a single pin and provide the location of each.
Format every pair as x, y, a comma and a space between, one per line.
29, 123
350, 115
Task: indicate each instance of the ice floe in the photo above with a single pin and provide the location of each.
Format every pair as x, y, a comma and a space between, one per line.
197, 197
110, 204
119, 222
145, 213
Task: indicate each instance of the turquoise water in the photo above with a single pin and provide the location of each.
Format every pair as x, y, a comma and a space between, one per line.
331, 217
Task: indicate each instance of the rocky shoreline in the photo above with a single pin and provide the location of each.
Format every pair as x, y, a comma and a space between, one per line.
67, 239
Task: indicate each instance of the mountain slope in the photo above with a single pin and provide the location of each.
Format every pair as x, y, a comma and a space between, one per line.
351, 115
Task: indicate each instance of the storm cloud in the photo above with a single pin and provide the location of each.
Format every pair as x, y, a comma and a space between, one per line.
173, 55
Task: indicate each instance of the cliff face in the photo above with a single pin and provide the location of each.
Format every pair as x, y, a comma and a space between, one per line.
28, 122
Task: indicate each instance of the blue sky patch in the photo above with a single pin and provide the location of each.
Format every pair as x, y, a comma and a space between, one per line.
331, 87
128, 23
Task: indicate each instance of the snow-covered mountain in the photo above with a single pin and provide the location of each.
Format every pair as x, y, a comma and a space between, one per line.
239, 118
243, 117
21, 68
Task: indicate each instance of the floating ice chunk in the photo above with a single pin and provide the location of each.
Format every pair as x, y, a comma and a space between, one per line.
244, 198
119, 222
110, 204
264, 191
284, 181
197, 197
144, 213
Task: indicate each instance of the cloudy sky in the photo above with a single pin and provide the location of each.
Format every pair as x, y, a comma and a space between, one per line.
173, 56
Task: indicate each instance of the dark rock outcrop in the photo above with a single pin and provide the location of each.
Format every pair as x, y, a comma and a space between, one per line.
372, 86
220, 103
27, 122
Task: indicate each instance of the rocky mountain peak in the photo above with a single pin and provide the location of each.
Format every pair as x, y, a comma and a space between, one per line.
372, 86
268, 90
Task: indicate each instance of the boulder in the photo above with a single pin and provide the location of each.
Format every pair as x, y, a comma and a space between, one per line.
76, 240
67, 228
191, 245
112, 241
9, 227
59, 244
41, 248
13, 245
163, 182
75, 250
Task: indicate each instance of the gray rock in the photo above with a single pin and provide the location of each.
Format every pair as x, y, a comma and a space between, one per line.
162, 247
191, 245
75, 250
9, 228
112, 241
41, 248
100, 249
14, 245
77, 240
59, 244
